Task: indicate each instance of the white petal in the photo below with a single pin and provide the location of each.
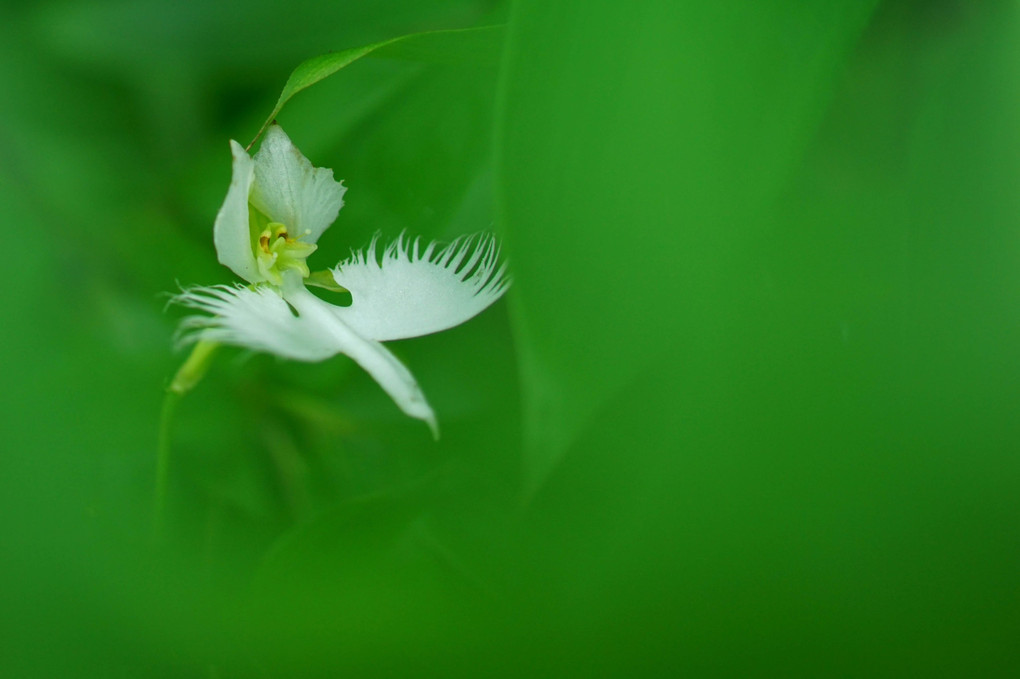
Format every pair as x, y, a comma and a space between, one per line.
230, 232
289, 190
257, 318
416, 292
262, 320
392, 375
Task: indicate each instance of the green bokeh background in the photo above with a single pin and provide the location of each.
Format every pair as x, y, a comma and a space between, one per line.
750, 408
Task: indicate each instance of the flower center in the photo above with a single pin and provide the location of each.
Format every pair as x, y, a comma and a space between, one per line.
277, 251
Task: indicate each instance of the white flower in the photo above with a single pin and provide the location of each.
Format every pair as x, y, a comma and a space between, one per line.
275, 210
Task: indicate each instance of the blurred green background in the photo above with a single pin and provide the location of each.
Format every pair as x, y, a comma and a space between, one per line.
750, 408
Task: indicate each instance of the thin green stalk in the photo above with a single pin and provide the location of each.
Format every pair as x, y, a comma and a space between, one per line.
189, 374
170, 400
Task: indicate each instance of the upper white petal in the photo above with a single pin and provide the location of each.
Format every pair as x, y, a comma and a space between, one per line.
289, 190
230, 232
416, 291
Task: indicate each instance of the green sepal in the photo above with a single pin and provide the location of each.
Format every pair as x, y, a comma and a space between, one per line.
324, 279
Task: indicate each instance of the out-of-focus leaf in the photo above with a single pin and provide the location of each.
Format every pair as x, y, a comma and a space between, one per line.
469, 44
823, 457
640, 146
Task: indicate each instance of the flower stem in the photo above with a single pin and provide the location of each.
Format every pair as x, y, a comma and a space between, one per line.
170, 399
187, 376
194, 367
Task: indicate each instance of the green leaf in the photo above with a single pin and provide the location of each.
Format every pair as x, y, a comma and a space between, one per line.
444, 47
639, 151
831, 311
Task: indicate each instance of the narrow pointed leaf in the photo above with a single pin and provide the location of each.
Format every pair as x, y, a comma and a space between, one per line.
448, 46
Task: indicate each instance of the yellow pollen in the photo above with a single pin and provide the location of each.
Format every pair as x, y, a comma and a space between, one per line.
276, 252
280, 231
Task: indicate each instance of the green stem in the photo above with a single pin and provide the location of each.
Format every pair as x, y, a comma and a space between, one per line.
194, 368
187, 376
170, 400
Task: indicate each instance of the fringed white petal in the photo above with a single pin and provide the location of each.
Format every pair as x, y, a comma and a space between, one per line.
255, 318
392, 375
230, 232
289, 190
304, 329
415, 291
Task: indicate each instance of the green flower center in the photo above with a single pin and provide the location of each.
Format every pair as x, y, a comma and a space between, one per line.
277, 251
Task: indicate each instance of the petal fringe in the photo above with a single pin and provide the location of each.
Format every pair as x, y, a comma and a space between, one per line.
256, 318
413, 291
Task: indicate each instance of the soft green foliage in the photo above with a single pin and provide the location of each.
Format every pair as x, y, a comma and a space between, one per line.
750, 408
660, 174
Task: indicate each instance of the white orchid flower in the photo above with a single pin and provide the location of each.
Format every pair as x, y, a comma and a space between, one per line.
276, 208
